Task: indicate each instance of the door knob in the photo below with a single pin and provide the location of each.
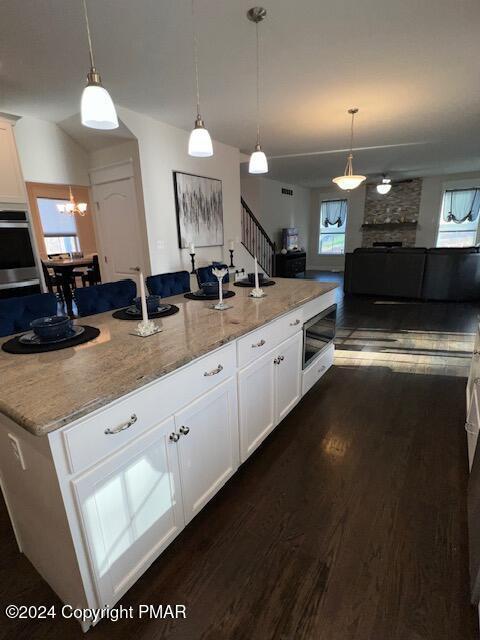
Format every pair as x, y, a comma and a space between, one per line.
174, 437
184, 430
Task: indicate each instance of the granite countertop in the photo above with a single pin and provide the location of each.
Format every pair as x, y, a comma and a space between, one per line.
45, 391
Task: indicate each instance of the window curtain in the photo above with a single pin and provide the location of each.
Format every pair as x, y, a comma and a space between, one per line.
462, 205
334, 213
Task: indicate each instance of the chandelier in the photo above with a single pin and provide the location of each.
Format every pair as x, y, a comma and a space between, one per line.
73, 207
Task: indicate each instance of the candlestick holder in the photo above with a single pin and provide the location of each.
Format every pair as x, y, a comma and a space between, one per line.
220, 274
231, 259
146, 328
192, 257
257, 293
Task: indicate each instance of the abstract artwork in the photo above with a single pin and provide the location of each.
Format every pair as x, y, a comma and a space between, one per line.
199, 210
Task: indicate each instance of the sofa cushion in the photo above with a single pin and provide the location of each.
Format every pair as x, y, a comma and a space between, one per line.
17, 313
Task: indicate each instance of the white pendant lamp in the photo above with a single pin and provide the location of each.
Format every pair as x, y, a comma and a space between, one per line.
349, 181
258, 160
97, 108
200, 142
384, 187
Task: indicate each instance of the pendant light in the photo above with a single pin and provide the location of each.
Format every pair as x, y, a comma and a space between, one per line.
72, 207
200, 142
349, 181
385, 185
97, 108
258, 160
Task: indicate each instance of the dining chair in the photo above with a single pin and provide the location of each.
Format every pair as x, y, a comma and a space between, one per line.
105, 297
92, 275
204, 274
52, 281
169, 284
17, 313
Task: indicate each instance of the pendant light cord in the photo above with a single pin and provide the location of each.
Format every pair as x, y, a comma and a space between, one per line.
258, 84
195, 58
351, 134
90, 48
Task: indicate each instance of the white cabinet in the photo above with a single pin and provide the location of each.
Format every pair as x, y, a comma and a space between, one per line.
474, 368
207, 446
12, 188
287, 374
256, 391
130, 509
268, 389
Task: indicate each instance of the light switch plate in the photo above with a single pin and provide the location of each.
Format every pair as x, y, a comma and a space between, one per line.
17, 451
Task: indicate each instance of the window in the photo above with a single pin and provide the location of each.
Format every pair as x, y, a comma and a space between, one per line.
459, 218
59, 229
333, 222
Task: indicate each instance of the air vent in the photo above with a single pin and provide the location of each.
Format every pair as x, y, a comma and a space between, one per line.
287, 192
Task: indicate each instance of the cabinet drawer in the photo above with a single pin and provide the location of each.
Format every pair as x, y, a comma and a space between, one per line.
256, 344
315, 371
104, 432
289, 324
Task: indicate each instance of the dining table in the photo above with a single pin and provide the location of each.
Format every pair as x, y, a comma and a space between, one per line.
63, 268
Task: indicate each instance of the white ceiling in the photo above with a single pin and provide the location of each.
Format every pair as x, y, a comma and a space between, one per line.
411, 66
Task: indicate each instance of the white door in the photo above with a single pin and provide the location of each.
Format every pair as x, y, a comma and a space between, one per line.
256, 389
131, 509
208, 445
288, 376
120, 237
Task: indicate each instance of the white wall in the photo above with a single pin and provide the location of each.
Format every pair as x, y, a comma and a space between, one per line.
48, 154
275, 210
162, 150
353, 236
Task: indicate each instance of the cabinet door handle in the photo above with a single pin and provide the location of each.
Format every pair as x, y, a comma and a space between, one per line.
469, 428
322, 368
282, 358
476, 380
476, 352
258, 344
214, 372
184, 430
121, 427
174, 437
276, 361
294, 324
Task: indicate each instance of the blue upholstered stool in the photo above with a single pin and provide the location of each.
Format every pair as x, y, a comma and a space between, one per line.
169, 284
105, 297
17, 313
204, 274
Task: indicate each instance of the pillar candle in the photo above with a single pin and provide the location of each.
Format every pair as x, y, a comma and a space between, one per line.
143, 298
256, 274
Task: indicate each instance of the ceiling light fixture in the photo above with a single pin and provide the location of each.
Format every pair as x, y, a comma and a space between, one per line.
385, 185
258, 160
349, 181
72, 207
200, 142
97, 108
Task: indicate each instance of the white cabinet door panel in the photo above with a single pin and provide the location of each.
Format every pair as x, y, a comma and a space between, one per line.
131, 509
208, 445
256, 389
288, 372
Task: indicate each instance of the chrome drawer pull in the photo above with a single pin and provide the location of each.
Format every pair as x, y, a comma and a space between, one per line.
184, 430
282, 358
469, 428
121, 427
214, 372
174, 437
258, 344
476, 352
322, 368
294, 324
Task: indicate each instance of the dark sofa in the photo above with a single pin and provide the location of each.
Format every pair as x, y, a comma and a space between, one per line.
419, 273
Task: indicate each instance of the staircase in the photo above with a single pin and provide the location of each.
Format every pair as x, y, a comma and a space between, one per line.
256, 240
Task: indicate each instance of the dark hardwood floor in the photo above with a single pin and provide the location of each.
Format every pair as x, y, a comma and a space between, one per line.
349, 523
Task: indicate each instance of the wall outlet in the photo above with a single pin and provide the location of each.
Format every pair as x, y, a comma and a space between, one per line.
17, 451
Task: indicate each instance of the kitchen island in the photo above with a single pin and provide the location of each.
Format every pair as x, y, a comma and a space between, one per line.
110, 448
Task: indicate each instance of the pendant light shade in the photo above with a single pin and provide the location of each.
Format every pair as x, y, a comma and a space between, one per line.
384, 187
96, 107
258, 160
349, 181
200, 142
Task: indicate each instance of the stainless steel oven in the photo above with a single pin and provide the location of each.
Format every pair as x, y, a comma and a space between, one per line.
18, 269
318, 332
